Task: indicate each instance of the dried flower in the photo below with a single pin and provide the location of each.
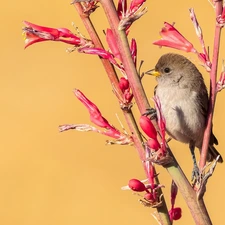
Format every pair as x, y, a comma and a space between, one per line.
203, 57
35, 33
172, 38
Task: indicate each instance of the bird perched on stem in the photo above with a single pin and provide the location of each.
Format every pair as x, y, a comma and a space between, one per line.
184, 102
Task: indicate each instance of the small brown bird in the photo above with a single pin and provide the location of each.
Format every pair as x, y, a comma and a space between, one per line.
184, 101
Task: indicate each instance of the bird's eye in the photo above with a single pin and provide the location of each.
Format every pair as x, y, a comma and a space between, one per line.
167, 70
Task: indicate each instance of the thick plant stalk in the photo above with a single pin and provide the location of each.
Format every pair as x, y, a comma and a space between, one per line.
198, 211
137, 138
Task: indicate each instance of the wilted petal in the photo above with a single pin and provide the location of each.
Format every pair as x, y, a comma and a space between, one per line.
78, 127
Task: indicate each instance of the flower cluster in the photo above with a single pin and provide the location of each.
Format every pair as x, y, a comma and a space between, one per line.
97, 118
151, 196
128, 15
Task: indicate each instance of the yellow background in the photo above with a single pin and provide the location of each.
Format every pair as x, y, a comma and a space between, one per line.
47, 177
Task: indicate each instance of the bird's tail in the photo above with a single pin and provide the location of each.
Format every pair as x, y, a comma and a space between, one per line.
213, 154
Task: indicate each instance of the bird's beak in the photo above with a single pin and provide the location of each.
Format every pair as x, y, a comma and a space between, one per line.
153, 73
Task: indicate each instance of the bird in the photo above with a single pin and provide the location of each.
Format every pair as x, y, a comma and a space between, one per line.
183, 96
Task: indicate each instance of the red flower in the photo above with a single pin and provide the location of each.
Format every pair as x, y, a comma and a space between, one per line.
35, 33
172, 38
95, 115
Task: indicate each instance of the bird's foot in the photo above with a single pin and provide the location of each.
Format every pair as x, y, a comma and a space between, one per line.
200, 185
195, 177
150, 112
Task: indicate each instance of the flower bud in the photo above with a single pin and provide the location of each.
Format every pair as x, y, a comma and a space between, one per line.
175, 213
148, 127
136, 185
153, 144
124, 84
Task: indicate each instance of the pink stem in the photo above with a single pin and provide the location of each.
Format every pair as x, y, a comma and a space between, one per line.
212, 94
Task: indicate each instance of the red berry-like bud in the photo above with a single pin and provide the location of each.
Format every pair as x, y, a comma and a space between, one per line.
175, 213
149, 197
148, 127
123, 84
136, 185
153, 144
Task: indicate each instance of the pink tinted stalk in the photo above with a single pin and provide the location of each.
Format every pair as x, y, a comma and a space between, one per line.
212, 94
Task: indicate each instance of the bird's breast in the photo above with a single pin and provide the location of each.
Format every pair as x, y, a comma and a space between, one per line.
184, 121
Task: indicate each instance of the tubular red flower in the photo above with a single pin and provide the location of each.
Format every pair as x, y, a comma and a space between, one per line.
35, 33
95, 115
148, 127
172, 38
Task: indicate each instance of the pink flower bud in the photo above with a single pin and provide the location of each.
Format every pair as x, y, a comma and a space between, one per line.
148, 127
153, 144
149, 196
128, 96
136, 4
124, 84
175, 213
136, 185
111, 40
